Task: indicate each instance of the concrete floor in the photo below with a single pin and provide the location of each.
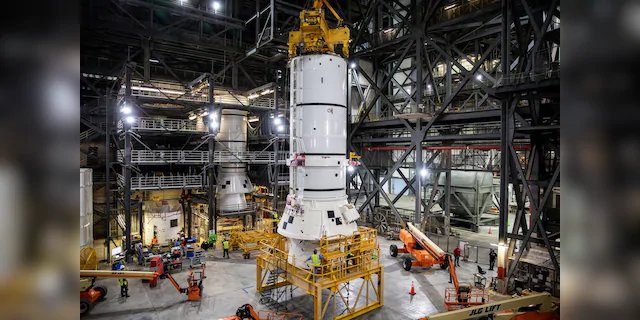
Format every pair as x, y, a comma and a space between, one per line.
230, 283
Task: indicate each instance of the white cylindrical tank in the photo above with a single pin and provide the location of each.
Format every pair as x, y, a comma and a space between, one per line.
317, 204
233, 182
86, 207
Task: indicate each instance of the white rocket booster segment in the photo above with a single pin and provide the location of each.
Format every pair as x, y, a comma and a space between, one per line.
233, 182
317, 204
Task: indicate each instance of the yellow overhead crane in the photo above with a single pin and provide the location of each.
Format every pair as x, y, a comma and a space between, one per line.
315, 36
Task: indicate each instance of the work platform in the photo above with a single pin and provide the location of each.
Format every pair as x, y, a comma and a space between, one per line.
350, 264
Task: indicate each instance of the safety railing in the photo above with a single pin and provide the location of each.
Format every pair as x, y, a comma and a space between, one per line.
244, 156
238, 208
164, 124
523, 77
199, 157
166, 156
457, 300
84, 135
165, 182
343, 255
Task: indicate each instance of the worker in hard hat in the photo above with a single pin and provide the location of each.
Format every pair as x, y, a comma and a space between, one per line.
350, 256
316, 260
225, 248
124, 285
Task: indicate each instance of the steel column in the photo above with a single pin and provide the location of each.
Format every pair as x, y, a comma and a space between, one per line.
210, 167
126, 167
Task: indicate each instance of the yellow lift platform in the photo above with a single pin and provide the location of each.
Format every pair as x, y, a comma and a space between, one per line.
351, 263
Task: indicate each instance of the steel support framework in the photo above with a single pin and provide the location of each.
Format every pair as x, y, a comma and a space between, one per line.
492, 65
390, 35
531, 79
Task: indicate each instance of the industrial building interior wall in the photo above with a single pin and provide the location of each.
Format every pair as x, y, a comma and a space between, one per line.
417, 80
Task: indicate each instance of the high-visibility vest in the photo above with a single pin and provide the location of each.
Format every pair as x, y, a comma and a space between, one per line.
275, 216
315, 260
225, 244
123, 282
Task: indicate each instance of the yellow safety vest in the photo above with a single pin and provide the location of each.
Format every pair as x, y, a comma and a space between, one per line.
315, 260
275, 216
225, 244
123, 282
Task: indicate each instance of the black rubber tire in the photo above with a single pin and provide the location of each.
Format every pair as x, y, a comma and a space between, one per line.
406, 264
103, 292
393, 250
85, 306
445, 264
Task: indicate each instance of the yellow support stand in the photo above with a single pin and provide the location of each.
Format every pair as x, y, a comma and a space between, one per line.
351, 264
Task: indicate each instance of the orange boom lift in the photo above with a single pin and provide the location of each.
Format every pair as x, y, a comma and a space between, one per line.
90, 294
427, 254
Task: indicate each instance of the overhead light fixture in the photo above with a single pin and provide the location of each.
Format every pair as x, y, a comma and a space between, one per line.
130, 119
266, 92
125, 109
216, 6
280, 128
253, 96
353, 65
254, 119
214, 125
213, 116
424, 172
479, 77
350, 168
277, 121
154, 60
429, 87
451, 6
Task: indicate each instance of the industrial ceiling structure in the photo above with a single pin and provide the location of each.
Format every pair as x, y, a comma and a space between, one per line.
469, 84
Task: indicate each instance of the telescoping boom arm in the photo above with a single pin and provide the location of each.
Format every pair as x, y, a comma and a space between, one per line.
543, 301
118, 274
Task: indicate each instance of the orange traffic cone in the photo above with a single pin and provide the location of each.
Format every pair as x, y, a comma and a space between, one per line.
413, 290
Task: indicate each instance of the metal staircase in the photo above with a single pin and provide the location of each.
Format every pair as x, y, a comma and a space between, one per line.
271, 297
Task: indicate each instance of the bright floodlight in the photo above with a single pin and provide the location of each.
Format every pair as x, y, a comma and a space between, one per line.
353, 65
350, 168
429, 86
130, 119
125, 109
277, 121
424, 172
280, 128
213, 116
214, 125
479, 77
216, 6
